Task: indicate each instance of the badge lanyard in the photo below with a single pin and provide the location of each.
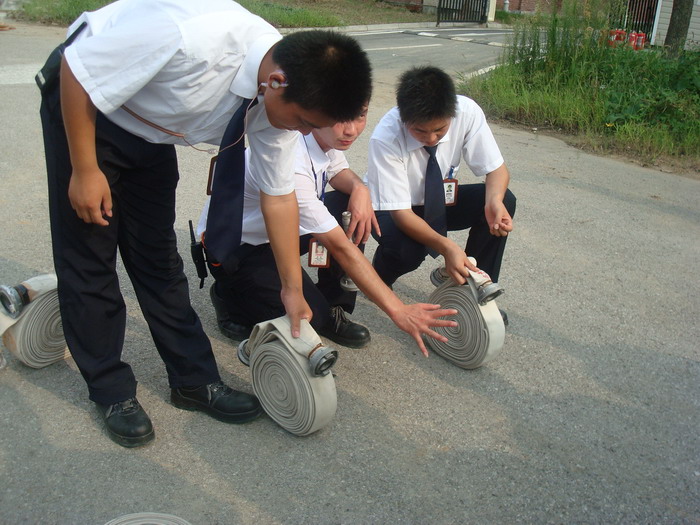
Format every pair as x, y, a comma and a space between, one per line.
313, 170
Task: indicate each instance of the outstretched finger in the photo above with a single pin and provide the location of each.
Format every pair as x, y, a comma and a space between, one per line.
421, 344
435, 335
443, 322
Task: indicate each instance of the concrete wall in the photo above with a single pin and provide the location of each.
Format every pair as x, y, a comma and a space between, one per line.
430, 6
525, 6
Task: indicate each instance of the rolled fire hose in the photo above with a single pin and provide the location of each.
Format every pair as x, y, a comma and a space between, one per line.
148, 518
291, 376
480, 333
30, 321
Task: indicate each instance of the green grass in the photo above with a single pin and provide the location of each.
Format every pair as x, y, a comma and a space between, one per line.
280, 13
60, 12
561, 74
507, 17
285, 16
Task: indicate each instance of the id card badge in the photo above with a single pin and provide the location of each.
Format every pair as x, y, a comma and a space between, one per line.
450, 186
318, 254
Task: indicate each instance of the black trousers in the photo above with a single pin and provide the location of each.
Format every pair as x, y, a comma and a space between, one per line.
142, 177
252, 292
398, 254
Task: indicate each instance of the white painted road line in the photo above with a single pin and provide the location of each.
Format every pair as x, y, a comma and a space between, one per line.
401, 47
482, 34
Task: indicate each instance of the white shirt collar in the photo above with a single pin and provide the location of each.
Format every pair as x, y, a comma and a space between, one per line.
245, 83
318, 156
412, 144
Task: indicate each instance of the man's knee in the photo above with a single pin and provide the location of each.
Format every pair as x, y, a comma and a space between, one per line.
407, 255
337, 203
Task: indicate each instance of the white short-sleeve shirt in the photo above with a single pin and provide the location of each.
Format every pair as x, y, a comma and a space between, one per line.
185, 66
314, 168
397, 161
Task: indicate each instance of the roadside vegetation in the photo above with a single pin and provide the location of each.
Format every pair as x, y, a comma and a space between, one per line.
280, 13
559, 74
562, 74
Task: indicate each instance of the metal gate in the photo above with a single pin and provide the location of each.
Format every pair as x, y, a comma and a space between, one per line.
639, 16
462, 11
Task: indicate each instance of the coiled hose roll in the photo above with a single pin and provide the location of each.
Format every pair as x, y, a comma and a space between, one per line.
480, 333
30, 321
291, 377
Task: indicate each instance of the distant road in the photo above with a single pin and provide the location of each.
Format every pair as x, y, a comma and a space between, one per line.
456, 50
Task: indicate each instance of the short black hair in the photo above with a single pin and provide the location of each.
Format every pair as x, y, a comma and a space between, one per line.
326, 71
425, 93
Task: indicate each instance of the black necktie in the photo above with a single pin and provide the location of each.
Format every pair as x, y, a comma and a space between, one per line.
225, 217
434, 211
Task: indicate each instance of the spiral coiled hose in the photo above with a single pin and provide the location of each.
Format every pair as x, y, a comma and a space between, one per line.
291, 376
33, 331
480, 333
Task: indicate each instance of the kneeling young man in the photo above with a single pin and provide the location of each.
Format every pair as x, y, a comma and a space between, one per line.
250, 293
414, 157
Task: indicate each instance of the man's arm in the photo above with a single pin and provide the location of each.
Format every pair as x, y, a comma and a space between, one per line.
360, 205
415, 319
456, 261
499, 220
88, 190
282, 223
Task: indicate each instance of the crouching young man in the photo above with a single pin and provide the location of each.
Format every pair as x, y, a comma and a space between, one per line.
413, 177
250, 293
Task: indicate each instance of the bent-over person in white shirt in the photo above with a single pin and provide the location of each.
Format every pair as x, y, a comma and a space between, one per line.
140, 77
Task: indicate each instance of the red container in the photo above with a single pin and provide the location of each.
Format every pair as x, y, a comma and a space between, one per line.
616, 37
641, 41
632, 40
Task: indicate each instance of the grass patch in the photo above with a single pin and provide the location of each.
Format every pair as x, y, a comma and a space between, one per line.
507, 17
59, 12
560, 73
280, 13
287, 16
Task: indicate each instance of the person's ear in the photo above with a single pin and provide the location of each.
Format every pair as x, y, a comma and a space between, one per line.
276, 80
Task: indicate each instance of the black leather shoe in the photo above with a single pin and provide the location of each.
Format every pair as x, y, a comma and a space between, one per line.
232, 330
127, 423
343, 331
219, 401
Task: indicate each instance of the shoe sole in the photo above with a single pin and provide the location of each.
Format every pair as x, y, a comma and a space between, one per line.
347, 343
131, 442
192, 405
234, 336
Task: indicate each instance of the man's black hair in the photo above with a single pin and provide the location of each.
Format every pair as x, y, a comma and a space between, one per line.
326, 71
425, 93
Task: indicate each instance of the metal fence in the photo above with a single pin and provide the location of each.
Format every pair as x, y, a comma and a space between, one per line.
462, 11
638, 16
